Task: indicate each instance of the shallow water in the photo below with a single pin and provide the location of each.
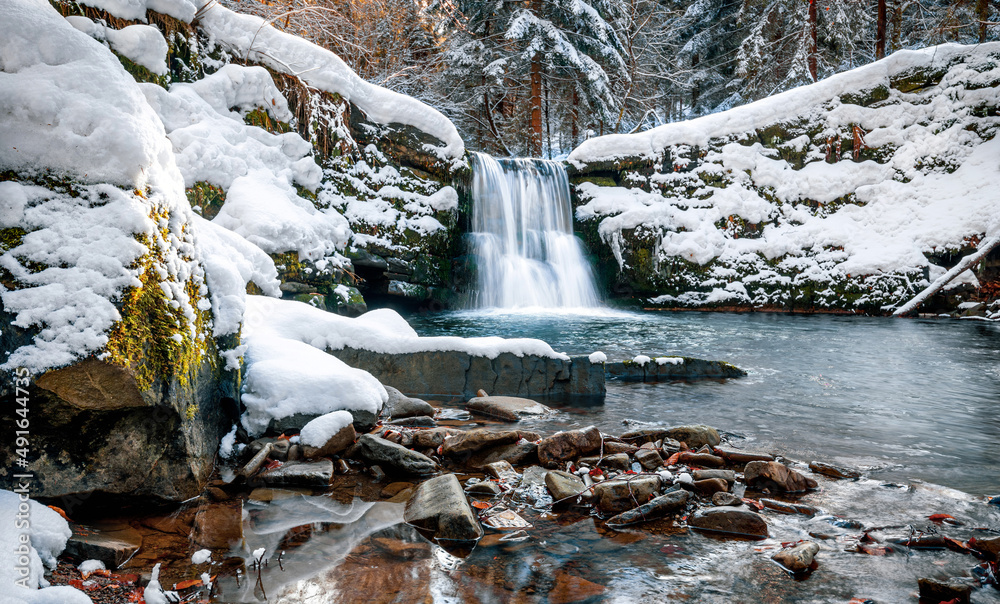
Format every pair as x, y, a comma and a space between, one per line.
912, 402
903, 399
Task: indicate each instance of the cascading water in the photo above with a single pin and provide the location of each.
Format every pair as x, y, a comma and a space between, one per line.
523, 239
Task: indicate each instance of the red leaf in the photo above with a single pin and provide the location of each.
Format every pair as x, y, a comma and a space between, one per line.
672, 460
940, 517
188, 583
753, 503
480, 505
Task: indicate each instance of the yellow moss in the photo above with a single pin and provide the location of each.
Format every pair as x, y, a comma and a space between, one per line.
154, 339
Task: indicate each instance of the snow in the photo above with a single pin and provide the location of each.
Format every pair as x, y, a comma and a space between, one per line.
135, 10
669, 360
88, 566
201, 556
641, 359
71, 112
228, 442
320, 430
257, 40
46, 533
598, 357
824, 223
142, 44
153, 593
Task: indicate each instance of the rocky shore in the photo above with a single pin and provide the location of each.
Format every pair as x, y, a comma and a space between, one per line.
472, 479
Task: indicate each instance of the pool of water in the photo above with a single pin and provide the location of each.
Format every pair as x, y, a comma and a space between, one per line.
899, 398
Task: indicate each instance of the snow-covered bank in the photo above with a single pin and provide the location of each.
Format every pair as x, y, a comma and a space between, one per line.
829, 195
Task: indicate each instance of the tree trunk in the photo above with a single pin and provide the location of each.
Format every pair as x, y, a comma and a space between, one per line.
535, 102
575, 117
812, 39
880, 31
982, 15
548, 121
897, 23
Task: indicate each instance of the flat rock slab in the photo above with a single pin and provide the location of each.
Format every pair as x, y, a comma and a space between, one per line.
112, 546
616, 496
392, 456
439, 508
300, 474
507, 408
775, 476
729, 521
673, 368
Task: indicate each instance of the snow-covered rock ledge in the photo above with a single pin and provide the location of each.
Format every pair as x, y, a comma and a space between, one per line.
303, 362
850, 194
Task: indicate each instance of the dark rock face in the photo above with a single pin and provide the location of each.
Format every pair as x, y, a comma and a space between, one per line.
400, 406
460, 374
103, 432
658, 507
363, 420
112, 548
688, 369
797, 558
439, 507
568, 445
729, 521
393, 456
300, 474
506, 408
775, 476
616, 496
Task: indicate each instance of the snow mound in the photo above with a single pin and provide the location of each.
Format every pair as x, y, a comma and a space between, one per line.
320, 430
252, 37
142, 44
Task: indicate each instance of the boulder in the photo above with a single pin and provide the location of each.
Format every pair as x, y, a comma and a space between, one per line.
507, 408
833, 471
483, 487
618, 461
726, 499
523, 453
616, 496
797, 558
392, 456
564, 486
564, 446
502, 471
729, 521
772, 475
649, 459
364, 421
644, 435
989, 546
439, 508
461, 445
727, 475
933, 591
219, 526
710, 486
788, 508
317, 474
696, 436
668, 503
399, 405
431, 439
611, 447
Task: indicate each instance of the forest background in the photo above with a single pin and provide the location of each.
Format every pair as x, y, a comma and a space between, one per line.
537, 77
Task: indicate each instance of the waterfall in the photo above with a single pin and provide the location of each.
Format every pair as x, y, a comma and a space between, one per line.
522, 223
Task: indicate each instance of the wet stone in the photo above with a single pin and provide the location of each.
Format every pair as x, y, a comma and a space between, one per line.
797, 558
741, 457
507, 408
518, 453
727, 475
644, 435
109, 546
729, 521
668, 503
775, 476
501, 470
392, 456
335, 445
618, 461
833, 471
616, 496
416, 421
439, 507
933, 591
484, 487
219, 525
431, 439
611, 447
564, 446
570, 588
695, 436
710, 486
462, 445
649, 459
300, 474
401, 406
726, 499
989, 546
564, 486
701, 459
789, 508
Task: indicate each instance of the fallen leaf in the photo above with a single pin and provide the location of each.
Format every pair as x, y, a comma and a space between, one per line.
60, 512
673, 459
480, 505
187, 584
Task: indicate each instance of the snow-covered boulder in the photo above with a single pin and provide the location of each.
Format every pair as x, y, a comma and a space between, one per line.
849, 193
